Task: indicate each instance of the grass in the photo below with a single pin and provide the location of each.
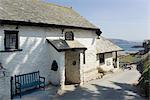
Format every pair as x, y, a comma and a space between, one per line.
129, 59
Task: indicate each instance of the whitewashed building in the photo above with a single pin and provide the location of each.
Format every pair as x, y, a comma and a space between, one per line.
35, 34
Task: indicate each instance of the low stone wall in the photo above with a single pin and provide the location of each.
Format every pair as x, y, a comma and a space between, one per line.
4, 88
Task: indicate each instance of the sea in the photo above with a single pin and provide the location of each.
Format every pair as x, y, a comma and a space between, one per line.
128, 48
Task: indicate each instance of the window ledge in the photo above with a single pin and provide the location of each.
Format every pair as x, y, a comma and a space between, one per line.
11, 50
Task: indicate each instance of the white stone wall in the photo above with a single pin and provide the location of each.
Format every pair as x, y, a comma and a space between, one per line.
36, 51
36, 54
4, 88
108, 65
56, 77
89, 69
88, 38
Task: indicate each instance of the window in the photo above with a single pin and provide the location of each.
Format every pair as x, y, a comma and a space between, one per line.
11, 40
101, 58
84, 57
69, 35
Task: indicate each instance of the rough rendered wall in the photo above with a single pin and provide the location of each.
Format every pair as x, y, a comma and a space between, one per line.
4, 88
36, 53
35, 50
56, 76
108, 65
88, 39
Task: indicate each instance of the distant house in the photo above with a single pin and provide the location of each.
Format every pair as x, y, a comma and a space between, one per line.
109, 50
35, 34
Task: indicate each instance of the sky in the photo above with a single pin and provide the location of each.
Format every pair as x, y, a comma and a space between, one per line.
119, 19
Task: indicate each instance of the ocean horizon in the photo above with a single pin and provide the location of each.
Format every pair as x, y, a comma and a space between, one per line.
127, 46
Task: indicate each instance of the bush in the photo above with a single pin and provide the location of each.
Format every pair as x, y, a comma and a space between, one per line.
100, 70
144, 80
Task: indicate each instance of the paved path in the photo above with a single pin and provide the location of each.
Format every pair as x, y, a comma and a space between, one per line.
118, 86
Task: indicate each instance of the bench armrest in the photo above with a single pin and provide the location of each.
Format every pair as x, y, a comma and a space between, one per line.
18, 84
43, 78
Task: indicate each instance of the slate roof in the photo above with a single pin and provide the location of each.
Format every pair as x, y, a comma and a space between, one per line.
37, 11
104, 45
63, 45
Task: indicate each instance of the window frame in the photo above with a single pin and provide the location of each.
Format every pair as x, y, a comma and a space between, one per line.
8, 32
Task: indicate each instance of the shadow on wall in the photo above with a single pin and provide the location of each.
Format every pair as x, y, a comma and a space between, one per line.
125, 92
29, 59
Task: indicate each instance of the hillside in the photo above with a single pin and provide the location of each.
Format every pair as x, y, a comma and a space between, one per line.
127, 45
120, 41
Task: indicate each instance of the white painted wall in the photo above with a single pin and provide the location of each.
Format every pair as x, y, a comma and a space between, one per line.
57, 77
88, 39
108, 65
37, 54
4, 88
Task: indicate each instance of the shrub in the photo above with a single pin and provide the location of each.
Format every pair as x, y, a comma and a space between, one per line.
144, 80
100, 70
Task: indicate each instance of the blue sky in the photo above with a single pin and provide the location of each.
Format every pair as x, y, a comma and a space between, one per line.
123, 19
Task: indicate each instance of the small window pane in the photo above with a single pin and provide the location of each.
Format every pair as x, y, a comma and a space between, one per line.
11, 40
101, 58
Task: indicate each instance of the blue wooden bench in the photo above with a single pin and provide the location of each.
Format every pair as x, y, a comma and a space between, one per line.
28, 81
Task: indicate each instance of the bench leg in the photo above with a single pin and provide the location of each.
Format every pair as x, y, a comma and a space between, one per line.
43, 86
20, 92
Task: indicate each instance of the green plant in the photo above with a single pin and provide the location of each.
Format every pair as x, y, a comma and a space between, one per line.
144, 80
100, 70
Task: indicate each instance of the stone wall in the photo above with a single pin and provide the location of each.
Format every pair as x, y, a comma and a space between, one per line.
4, 88
108, 65
37, 54
89, 69
56, 77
